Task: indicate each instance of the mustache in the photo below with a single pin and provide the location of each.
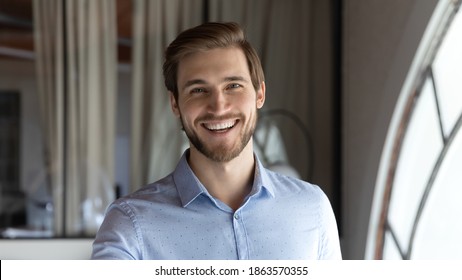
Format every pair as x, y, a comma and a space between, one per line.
213, 117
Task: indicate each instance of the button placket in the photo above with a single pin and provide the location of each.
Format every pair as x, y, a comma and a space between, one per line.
241, 238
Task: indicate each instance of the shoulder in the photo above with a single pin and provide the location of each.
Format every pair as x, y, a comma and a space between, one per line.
284, 184
305, 196
129, 212
161, 191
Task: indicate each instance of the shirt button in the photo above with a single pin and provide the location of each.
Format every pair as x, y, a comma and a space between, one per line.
236, 216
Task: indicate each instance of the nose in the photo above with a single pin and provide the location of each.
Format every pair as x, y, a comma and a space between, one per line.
218, 102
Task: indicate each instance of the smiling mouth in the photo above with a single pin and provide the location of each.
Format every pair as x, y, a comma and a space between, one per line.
219, 127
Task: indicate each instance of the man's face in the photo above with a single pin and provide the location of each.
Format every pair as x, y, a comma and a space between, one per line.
217, 103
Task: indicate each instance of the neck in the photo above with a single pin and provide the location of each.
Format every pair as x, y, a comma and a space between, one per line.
229, 181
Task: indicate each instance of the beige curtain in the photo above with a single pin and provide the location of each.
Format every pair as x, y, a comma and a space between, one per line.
156, 137
77, 87
47, 24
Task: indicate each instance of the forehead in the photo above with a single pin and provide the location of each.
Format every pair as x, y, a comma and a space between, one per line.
215, 63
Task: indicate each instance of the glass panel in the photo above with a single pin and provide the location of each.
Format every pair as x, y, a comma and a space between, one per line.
439, 232
11, 196
390, 250
27, 205
447, 69
421, 147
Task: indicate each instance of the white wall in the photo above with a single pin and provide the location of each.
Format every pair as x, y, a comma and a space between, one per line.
380, 40
46, 249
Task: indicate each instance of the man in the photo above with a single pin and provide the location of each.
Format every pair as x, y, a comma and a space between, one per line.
219, 202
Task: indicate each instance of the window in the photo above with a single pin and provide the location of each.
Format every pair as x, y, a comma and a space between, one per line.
418, 207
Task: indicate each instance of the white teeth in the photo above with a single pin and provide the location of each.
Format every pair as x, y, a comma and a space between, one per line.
219, 126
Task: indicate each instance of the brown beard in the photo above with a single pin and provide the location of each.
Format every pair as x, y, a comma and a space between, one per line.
222, 153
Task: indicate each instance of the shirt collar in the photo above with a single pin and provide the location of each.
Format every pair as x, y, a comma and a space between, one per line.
261, 179
187, 184
189, 187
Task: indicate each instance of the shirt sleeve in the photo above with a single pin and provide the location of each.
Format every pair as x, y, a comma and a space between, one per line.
118, 237
330, 243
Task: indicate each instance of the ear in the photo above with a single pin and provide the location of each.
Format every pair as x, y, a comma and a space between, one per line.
261, 95
174, 105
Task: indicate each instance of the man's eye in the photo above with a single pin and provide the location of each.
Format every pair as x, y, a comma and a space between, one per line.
232, 86
197, 90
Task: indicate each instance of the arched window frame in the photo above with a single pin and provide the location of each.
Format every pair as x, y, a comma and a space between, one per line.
421, 71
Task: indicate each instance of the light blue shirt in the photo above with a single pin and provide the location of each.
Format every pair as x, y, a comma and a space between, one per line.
176, 218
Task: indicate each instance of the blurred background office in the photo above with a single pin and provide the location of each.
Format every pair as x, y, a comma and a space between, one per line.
364, 100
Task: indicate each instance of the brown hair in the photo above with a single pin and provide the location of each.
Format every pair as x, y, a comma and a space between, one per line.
209, 36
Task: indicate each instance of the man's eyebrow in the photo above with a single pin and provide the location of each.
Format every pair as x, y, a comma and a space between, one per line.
235, 78
204, 82
194, 82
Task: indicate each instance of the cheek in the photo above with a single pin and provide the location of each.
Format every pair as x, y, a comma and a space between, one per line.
252, 106
189, 112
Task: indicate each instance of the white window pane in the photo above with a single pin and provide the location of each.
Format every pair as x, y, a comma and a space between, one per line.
447, 68
421, 147
439, 234
390, 250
